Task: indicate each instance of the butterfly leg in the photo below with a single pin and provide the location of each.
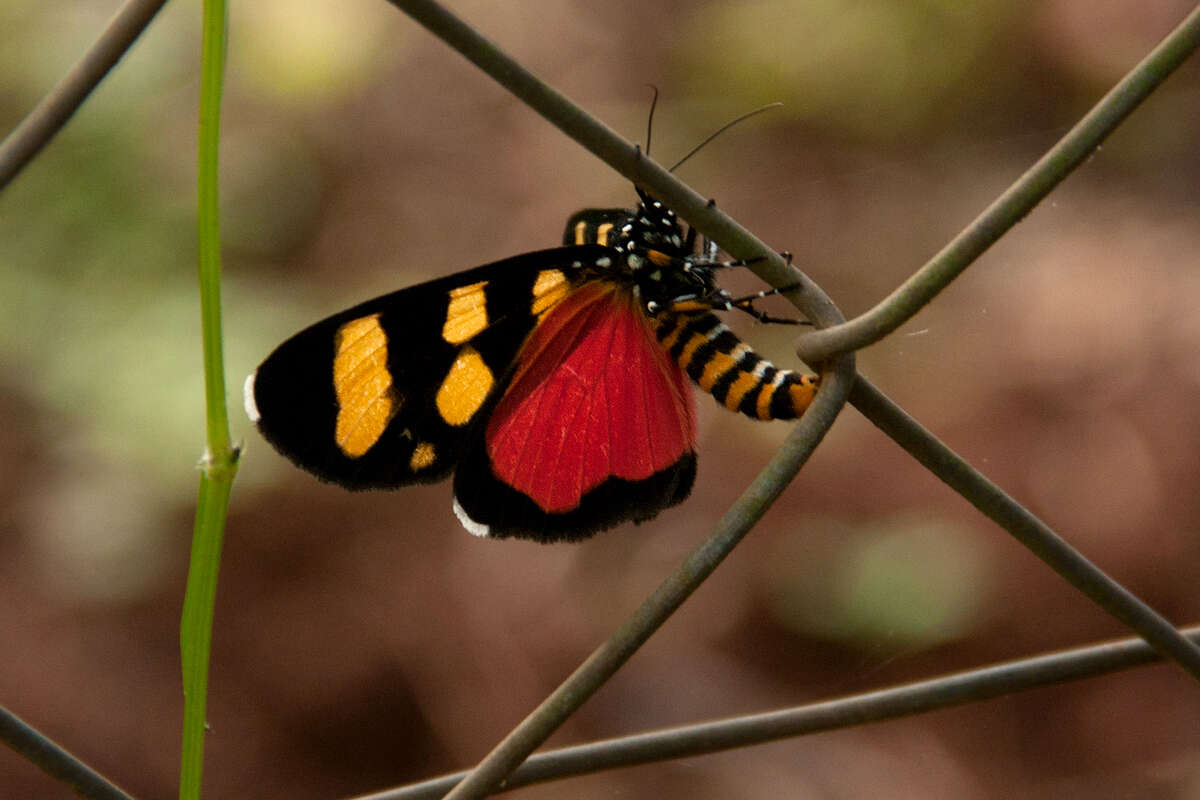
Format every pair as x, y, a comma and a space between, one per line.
746, 305
722, 301
786, 255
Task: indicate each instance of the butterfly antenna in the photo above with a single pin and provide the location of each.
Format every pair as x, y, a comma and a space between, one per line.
719, 131
650, 119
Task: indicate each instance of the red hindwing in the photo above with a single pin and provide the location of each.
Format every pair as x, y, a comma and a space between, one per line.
595, 396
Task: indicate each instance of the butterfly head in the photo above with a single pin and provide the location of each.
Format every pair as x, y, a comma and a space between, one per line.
652, 228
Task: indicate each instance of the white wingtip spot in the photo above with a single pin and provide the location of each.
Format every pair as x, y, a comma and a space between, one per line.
474, 528
248, 398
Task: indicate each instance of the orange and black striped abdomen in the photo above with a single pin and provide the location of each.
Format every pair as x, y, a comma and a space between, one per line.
727, 368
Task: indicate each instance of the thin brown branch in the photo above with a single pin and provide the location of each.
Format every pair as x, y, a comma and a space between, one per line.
51, 113
837, 378
1030, 531
921, 697
55, 760
1012, 206
628, 161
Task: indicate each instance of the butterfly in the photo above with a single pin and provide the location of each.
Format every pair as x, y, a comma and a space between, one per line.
553, 384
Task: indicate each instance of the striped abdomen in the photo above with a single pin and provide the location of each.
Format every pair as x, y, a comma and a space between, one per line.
724, 366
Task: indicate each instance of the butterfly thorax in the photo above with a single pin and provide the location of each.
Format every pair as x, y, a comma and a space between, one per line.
651, 253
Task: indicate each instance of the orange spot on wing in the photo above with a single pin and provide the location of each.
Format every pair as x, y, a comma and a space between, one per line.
466, 313
366, 401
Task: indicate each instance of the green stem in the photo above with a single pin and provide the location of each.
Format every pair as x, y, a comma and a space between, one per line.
209, 233
195, 630
220, 462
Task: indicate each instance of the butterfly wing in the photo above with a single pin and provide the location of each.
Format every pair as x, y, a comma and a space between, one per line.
383, 394
596, 426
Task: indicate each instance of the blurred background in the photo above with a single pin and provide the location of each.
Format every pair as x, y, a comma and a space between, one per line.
366, 640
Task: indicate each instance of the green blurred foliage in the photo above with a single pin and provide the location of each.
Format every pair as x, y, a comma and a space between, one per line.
97, 254
869, 70
914, 581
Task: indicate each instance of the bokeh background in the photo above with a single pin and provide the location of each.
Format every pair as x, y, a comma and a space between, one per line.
366, 640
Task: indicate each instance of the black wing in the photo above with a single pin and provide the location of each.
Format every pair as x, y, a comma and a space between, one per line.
384, 394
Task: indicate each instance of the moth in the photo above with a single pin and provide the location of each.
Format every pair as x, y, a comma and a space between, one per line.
555, 385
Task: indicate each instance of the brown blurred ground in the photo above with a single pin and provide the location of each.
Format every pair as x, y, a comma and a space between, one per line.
365, 640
